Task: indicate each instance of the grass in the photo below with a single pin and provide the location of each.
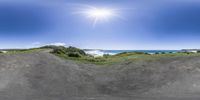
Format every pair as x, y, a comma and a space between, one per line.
126, 57
85, 59
141, 57
72, 53
18, 51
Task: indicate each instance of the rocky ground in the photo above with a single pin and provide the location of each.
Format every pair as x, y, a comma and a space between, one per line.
43, 76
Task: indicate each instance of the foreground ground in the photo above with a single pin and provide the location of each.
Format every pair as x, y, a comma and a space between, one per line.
43, 76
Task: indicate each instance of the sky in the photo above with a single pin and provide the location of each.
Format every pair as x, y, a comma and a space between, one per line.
132, 25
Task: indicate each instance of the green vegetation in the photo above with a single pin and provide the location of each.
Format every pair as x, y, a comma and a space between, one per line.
72, 53
132, 56
76, 54
16, 51
1, 52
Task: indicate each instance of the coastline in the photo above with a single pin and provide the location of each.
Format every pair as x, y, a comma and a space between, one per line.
100, 52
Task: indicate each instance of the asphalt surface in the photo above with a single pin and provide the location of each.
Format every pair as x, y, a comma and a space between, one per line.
43, 76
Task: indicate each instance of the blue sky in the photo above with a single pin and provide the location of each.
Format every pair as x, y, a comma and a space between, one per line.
143, 24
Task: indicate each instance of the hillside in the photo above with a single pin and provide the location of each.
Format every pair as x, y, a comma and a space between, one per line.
44, 76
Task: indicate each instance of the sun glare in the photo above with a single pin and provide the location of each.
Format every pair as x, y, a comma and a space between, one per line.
98, 14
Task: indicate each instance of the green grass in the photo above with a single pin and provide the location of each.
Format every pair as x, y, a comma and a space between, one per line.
126, 57
141, 57
75, 54
17, 51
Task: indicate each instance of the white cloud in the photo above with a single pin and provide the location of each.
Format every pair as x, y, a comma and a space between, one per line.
36, 43
57, 44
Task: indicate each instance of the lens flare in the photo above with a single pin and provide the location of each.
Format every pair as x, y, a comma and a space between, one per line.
98, 14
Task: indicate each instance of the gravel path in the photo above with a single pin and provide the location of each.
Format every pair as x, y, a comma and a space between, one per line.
43, 76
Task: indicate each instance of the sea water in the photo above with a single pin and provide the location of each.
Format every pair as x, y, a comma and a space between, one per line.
114, 52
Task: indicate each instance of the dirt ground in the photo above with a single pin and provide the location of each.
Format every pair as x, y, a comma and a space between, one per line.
43, 76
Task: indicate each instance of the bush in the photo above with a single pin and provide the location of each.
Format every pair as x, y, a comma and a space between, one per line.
106, 55
162, 52
98, 59
74, 49
74, 54
70, 51
146, 53
139, 53
188, 52
52, 47
59, 51
1, 52
122, 53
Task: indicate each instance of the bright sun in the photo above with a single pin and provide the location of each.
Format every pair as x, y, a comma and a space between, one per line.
98, 14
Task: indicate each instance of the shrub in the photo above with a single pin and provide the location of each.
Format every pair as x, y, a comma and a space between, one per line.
139, 53
98, 59
162, 52
121, 53
74, 54
106, 55
1, 52
59, 51
74, 49
70, 51
146, 53
52, 47
125, 54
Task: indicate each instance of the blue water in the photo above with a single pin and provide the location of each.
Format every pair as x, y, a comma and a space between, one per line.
145, 51
113, 52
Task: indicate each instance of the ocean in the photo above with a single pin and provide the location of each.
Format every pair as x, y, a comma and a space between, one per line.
113, 52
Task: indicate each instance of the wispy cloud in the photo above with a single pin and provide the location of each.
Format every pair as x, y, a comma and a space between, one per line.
36, 43
57, 44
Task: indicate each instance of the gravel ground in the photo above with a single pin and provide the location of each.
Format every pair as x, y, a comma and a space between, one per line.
43, 76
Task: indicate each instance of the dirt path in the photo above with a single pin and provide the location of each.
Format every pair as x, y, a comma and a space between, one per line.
43, 76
